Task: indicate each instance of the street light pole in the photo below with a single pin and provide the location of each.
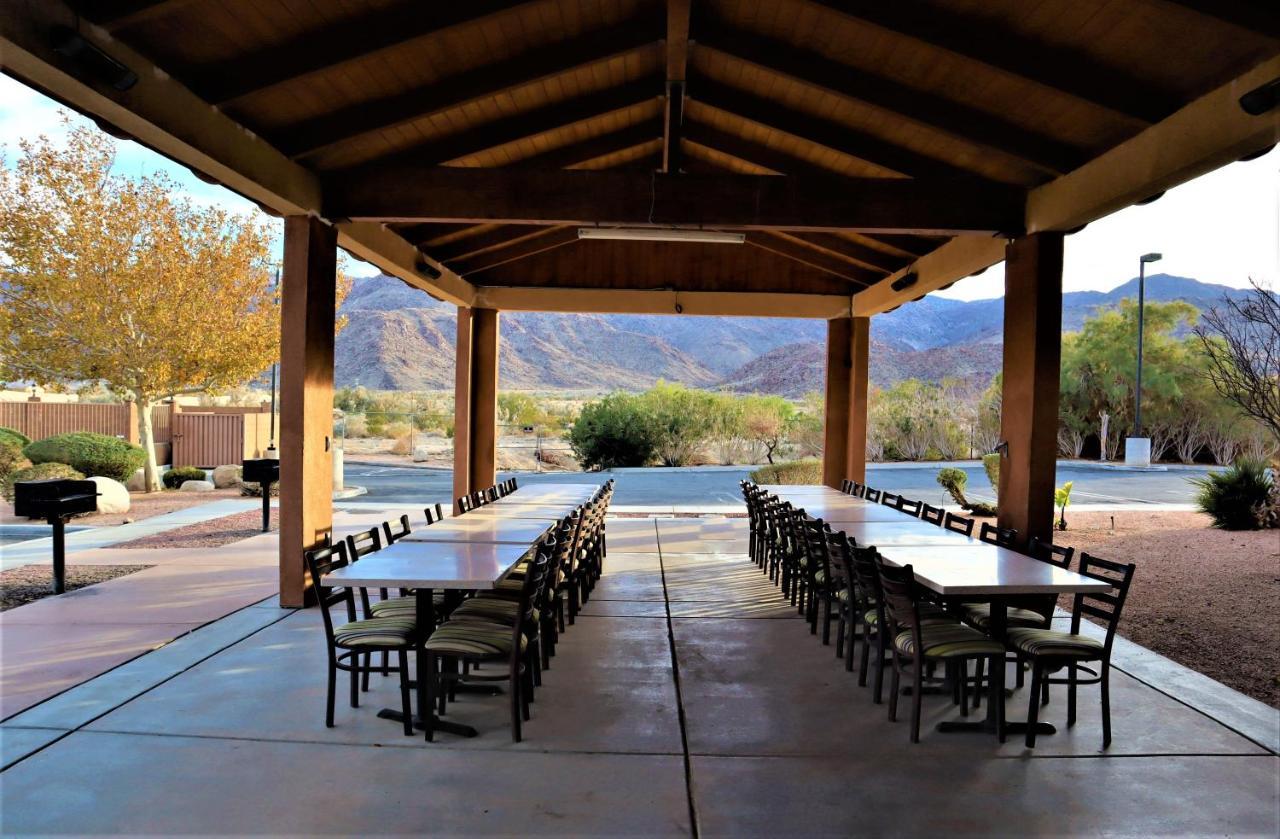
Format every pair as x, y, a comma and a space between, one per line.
1137, 396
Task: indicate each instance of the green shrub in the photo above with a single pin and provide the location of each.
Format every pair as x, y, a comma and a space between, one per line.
791, 472
174, 478
991, 463
616, 431
1233, 497
953, 480
92, 454
11, 458
38, 472
14, 435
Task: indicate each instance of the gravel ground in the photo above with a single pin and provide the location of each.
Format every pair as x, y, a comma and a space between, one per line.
1205, 598
32, 582
142, 505
213, 533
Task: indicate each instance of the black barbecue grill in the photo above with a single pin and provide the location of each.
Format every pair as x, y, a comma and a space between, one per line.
55, 500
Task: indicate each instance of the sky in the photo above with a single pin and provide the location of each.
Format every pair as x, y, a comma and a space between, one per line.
1223, 227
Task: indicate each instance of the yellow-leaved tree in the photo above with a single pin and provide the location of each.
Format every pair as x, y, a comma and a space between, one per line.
123, 281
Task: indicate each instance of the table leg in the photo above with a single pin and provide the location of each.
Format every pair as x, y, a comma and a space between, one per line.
995, 693
426, 618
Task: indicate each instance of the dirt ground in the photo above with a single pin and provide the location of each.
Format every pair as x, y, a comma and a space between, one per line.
142, 506
32, 582
213, 533
1206, 598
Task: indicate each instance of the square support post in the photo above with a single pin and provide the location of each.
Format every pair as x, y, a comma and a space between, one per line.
860, 355
484, 398
475, 450
462, 407
306, 399
1029, 399
836, 425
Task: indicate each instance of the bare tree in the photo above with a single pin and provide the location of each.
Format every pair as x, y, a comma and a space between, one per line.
1241, 339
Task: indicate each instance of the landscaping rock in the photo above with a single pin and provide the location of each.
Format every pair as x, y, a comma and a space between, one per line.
113, 496
196, 486
226, 476
420, 453
137, 482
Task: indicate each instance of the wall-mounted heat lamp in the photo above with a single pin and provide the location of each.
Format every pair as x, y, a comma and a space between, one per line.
907, 280
90, 60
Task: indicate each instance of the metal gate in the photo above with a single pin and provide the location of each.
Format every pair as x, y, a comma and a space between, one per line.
207, 440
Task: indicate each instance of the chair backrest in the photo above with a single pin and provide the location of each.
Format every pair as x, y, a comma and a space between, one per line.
814, 544
840, 560
859, 490
491, 495
1005, 537
911, 508
1104, 605
535, 577
958, 524
1059, 555
464, 504
898, 593
867, 582
511, 482
846, 486
872, 495
932, 515
478, 498
364, 543
888, 499
320, 561
434, 513
396, 534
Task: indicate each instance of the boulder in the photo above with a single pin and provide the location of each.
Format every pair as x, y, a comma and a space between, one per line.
196, 486
226, 476
137, 482
420, 453
113, 496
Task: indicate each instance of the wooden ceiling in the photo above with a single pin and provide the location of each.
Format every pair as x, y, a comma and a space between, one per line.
976, 100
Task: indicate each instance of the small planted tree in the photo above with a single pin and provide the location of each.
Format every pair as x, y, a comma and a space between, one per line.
1061, 500
954, 480
1241, 341
105, 278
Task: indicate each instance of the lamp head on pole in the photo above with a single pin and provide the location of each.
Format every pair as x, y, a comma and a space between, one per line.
1150, 257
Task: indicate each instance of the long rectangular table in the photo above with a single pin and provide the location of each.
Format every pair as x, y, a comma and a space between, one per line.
425, 567
464, 528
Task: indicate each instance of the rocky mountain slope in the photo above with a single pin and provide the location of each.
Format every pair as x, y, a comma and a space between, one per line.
399, 338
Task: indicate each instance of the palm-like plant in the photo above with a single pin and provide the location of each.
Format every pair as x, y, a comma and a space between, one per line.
1233, 496
1061, 500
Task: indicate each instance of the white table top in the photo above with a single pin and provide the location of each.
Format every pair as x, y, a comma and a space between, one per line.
551, 512
480, 529
982, 569
541, 492
905, 532
834, 514
431, 565
803, 489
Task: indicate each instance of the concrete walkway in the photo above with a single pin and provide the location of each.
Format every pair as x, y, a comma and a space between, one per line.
688, 699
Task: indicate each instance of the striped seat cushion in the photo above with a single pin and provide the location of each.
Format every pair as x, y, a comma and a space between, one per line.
928, 615
979, 615
1050, 642
510, 584
407, 604
947, 640
472, 638
392, 631
488, 608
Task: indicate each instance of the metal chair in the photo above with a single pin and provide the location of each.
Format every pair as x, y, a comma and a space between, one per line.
1005, 537
434, 513
958, 524
932, 515
393, 536
911, 508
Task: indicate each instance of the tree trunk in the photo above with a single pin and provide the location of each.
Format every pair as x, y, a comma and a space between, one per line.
1104, 421
147, 437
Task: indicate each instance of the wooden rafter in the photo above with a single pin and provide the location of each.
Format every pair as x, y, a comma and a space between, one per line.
491, 238
787, 248
408, 193
833, 135
345, 124
955, 118
529, 124
1062, 68
545, 239
599, 146
119, 14
677, 49
332, 45
855, 252
662, 302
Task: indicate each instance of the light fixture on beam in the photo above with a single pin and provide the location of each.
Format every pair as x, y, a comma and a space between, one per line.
661, 234
906, 281
91, 60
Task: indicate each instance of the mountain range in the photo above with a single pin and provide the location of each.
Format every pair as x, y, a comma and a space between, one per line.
398, 338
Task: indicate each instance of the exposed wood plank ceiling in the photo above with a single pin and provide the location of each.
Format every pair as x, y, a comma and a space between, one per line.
987, 93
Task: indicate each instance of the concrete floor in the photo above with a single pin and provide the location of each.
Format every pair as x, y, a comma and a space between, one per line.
687, 693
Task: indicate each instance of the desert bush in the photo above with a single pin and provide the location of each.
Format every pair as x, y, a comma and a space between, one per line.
14, 435
178, 475
682, 420
954, 480
251, 490
403, 443
1233, 497
38, 472
11, 457
92, 454
791, 472
616, 431
354, 426
991, 465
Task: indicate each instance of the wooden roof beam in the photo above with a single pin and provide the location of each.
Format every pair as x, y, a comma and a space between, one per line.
833, 135
334, 44
860, 254
1254, 15
677, 47
488, 239
542, 240
114, 15
327, 131
410, 193
518, 127
938, 112
598, 146
663, 302
787, 248
1059, 67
